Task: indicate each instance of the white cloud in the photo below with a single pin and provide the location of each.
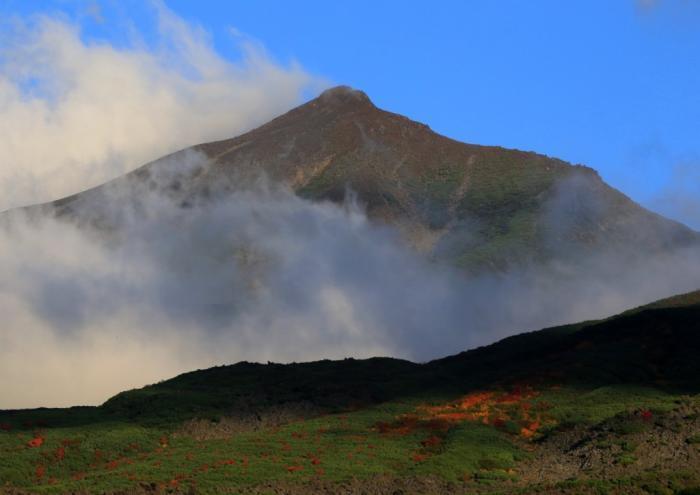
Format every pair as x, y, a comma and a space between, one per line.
75, 113
260, 274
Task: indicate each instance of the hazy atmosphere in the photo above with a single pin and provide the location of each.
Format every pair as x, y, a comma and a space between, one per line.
263, 274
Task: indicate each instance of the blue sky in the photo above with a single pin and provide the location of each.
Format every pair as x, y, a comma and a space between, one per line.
612, 84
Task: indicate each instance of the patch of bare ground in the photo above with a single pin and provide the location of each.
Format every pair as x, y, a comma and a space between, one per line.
249, 419
626, 446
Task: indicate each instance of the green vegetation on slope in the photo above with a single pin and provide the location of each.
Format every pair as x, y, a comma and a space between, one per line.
620, 392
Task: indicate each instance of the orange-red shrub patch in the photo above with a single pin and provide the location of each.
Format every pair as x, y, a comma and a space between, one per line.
60, 453
489, 408
35, 442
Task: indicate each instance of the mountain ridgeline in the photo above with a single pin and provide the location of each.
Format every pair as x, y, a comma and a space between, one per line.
651, 346
478, 207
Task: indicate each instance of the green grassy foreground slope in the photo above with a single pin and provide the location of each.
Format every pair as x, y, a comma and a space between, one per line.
610, 406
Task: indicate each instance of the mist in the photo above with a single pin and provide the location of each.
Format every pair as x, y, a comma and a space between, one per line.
162, 287
164, 283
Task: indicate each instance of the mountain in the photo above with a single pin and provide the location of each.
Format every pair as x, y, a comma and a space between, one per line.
480, 207
609, 406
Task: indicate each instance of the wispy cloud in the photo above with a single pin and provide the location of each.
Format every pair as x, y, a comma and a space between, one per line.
75, 113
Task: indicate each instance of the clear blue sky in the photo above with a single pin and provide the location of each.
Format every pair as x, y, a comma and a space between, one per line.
613, 84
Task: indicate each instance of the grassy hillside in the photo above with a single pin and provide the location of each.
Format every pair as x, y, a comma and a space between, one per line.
599, 407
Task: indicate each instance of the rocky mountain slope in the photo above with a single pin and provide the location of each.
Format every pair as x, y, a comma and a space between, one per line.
480, 207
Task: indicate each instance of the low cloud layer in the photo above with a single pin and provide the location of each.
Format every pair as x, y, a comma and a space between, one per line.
75, 113
259, 274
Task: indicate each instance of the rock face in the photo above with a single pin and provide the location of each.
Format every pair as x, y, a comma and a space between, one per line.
480, 207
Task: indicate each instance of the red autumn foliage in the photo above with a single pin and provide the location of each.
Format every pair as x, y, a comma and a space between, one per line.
315, 461
245, 462
60, 453
293, 469
403, 426
431, 441
40, 471
296, 434
35, 442
437, 425
419, 457
111, 465
227, 462
488, 408
5, 426
78, 476
647, 415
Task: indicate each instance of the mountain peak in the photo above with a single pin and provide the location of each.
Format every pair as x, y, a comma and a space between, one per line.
341, 95
479, 207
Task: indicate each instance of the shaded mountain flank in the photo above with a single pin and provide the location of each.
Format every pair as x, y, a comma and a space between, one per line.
479, 207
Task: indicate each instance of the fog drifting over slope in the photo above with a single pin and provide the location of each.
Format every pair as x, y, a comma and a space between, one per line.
258, 274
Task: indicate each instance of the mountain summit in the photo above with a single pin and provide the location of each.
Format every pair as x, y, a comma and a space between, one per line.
480, 207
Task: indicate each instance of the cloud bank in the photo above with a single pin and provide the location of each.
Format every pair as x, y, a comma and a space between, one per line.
75, 113
165, 286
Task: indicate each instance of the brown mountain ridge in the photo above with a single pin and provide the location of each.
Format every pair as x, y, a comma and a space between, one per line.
480, 207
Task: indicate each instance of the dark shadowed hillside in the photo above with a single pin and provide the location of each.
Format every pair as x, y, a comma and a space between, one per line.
655, 345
